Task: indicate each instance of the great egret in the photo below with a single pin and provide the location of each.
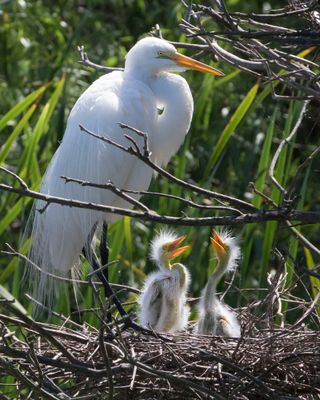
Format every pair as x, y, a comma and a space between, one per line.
163, 301
215, 318
132, 97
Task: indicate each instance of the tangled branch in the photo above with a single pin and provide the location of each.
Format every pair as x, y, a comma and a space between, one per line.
262, 45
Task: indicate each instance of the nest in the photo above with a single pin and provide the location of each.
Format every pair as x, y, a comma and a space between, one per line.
81, 362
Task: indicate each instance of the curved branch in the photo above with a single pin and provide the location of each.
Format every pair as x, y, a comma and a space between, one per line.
303, 217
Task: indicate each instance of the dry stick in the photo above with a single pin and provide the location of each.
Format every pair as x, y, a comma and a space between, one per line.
186, 383
242, 371
84, 60
107, 361
307, 313
183, 200
66, 335
274, 56
258, 216
13, 252
302, 167
121, 192
240, 63
43, 332
8, 366
94, 370
149, 370
145, 157
277, 14
299, 236
235, 27
109, 186
42, 378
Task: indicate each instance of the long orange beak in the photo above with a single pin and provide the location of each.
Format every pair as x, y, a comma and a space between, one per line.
218, 244
190, 63
173, 249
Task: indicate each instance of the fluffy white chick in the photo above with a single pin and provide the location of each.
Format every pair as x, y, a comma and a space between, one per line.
215, 318
163, 300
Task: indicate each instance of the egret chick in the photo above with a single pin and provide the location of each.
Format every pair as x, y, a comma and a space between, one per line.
163, 301
215, 318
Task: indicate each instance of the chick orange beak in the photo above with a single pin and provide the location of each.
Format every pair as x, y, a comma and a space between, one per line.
190, 63
218, 244
173, 249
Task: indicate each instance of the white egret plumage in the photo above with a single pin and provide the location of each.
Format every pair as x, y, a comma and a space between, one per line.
215, 318
163, 301
132, 97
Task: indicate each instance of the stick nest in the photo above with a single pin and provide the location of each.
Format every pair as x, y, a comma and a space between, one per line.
80, 362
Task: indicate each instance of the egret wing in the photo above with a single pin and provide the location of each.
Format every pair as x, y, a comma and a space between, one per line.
59, 233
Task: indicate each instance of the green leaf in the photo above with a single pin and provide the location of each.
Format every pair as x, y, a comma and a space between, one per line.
264, 161
229, 129
20, 107
13, 213
16, 132
116, 231
27, 164
128, 238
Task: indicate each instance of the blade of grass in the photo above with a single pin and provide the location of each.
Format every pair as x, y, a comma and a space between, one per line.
257, 200
117, 239
25, 166
264, 160
235, 120
4, 151
128, 242
13, 213
20, 107
276, 195
293, 243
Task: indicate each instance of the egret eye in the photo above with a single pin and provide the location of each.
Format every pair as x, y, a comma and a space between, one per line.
163, 54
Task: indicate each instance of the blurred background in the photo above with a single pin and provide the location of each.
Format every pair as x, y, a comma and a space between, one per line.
40, 80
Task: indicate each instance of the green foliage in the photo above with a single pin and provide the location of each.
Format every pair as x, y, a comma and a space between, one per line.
235, 131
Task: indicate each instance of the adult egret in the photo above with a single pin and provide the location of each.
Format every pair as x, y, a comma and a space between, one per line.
132, 97
215, 318
163, 301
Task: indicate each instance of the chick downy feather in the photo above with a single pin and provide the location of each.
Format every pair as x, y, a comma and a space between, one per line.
163, 300
216, 318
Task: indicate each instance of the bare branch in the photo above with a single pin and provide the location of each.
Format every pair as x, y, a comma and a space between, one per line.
242, 205
304, 217
84, 60
109, 186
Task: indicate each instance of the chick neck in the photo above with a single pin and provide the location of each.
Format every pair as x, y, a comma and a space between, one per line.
210, 296
165, 264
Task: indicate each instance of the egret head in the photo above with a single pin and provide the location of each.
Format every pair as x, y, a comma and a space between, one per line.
152, 55
165, 247
226, 248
